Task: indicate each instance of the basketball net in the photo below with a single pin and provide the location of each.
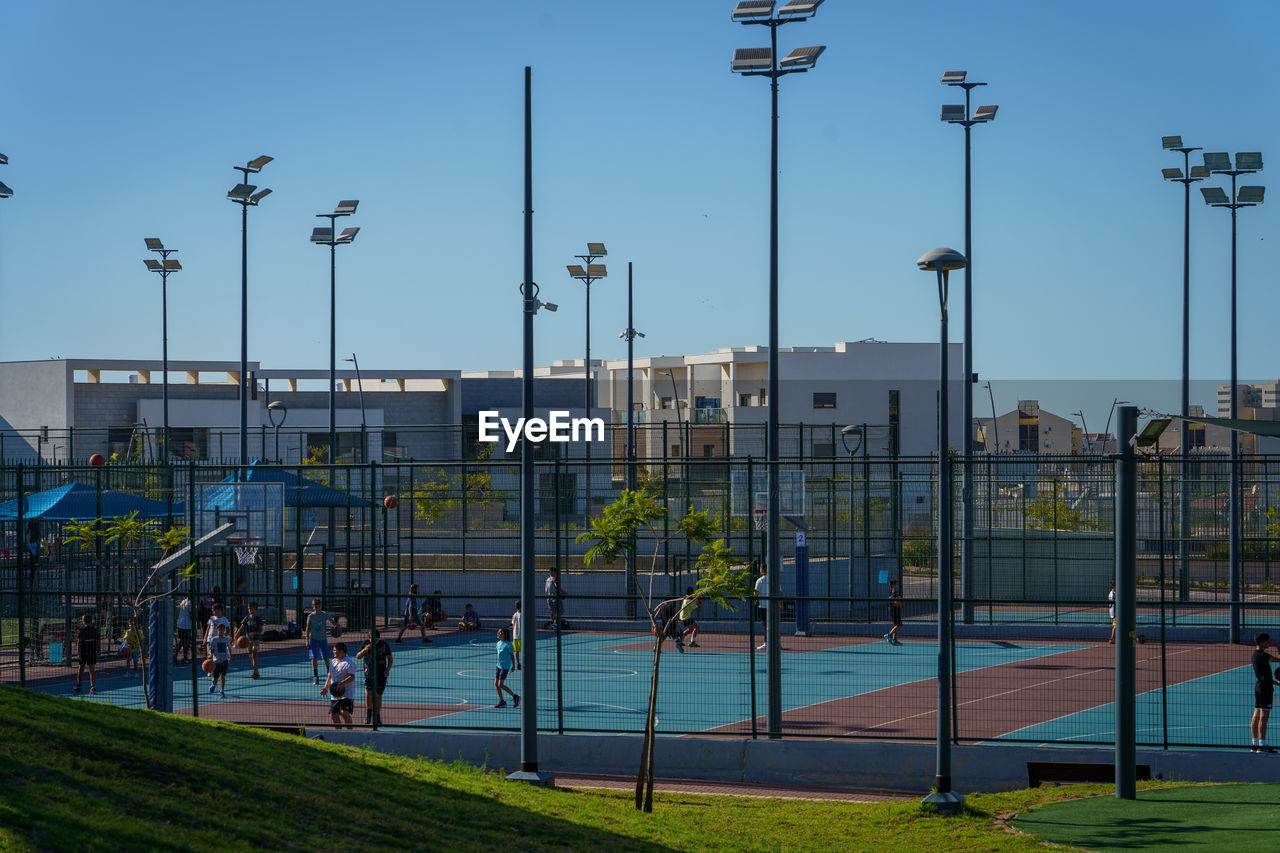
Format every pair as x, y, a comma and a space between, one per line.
246, 552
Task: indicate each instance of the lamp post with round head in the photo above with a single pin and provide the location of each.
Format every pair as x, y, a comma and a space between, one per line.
942, 262
277, 409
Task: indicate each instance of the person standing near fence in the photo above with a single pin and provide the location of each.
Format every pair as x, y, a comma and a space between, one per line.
251, 630
555, 598
1111, 611
505, 653
87, 639
516, 619
317, 631
895, 613
183, 623
220, 653
1263, 691
762, 595
380, 652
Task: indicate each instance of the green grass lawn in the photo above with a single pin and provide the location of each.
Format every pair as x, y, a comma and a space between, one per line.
1239, 818
77, 775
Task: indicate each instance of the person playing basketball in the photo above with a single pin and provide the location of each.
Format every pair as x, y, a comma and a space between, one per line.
411, 619
895, 612
251, 630
337, 685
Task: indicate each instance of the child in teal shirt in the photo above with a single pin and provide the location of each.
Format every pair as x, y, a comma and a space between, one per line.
506, 653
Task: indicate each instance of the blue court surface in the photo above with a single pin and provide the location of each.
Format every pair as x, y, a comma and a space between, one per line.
603, 686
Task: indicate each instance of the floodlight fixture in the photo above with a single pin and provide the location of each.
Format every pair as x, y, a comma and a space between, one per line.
954, 78
550, 306
1171, 142
596, 249
1171, 174
803, 58
321, 235
576, 270
241, 192
1214, 195
1150, 434
154, 244
5, 192
1250, 195
1217, 161
152, 264
623, 334
346, 208
986, 112
1249, 161
256, 164
1199, 172
799, 8
747, 59
348, 234
259, 196
4, 160
752, 9
942, 259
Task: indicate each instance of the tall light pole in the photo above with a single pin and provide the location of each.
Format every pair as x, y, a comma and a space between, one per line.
592, 272
1191, 176
629, 335
1106, 430
364, 428
326, 237
995, 444
680, 428
164, 267
1247, 162
529, 305
763, 62
246, 195
962, 115
942, 261
273, 409
1088, 443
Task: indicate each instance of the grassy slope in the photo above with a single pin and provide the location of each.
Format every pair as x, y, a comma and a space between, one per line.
79, 775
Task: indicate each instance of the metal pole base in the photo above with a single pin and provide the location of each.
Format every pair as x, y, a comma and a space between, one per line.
533, 777
946, 802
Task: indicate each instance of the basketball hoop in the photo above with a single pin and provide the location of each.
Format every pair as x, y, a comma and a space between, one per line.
761, 518
246, 549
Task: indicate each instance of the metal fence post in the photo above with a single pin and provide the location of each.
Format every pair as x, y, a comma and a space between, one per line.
1126, 611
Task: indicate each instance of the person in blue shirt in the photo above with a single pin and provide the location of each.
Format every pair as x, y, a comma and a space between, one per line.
506, 654
411, 618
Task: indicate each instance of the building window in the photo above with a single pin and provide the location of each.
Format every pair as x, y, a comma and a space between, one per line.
391, 450
1029, 437
189, 442
706, 402
348, 447
763, 398
824, 400
744, 399
665, 403
708, 451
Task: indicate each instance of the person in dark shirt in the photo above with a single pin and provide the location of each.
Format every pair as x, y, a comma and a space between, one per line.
87, 637
1263, 691
251, 630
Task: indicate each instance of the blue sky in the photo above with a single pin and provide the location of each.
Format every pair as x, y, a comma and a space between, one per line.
123, 120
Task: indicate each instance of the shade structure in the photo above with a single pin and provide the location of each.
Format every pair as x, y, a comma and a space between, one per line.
82, 502
298, 491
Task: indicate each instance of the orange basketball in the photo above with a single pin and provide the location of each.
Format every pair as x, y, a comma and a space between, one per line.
97, 459
391, 502
242, 641
207, 665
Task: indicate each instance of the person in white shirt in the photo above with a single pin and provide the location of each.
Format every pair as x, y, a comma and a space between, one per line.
1111, 611
555, 598
762, 594
338, 687
515, 633
185, 636
219, 618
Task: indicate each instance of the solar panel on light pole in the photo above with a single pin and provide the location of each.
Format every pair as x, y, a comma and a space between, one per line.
244, 195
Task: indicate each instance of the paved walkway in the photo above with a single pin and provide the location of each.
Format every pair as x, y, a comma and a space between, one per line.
735, 789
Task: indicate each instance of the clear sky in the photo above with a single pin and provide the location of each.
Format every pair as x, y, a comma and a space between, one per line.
123, 121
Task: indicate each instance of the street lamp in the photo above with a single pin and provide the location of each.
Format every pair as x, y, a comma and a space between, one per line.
1088, 442
962, 115
680, 428
587, 272
273, 409
942, 261
1247, 162
364, 429
164, 266
861, 433
629, 335
326, 237
1106, 430
1192, 175
246, 195
995, 442
763, 62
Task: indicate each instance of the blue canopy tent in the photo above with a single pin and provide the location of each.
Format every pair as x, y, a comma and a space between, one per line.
78, 501
298, 491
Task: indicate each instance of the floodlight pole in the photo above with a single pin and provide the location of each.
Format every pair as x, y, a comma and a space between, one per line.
164, 271
1184, 472
630, 335
773, 628
587, 259
528, 771
364, 429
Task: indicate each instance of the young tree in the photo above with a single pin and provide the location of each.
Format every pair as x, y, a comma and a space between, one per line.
616, 531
